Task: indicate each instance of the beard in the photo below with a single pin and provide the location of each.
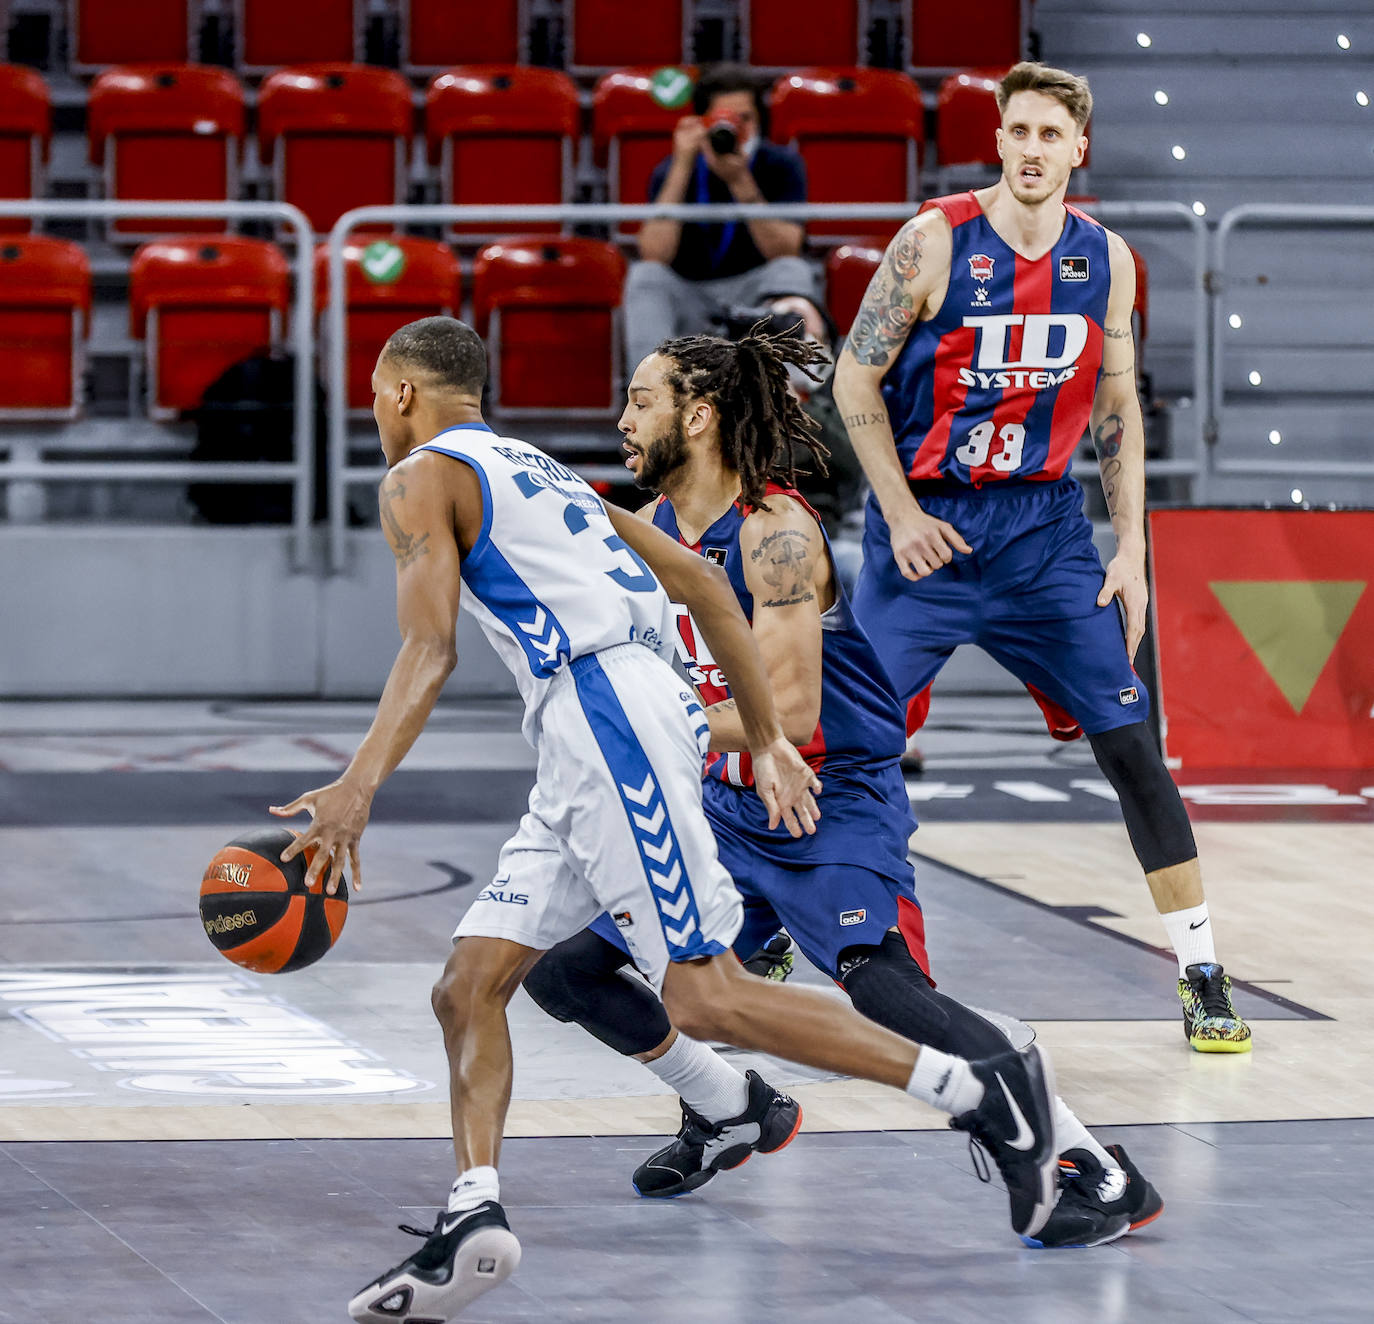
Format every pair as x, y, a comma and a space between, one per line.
663, 457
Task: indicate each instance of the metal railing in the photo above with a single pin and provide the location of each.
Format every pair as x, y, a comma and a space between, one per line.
1264, 213
343, 474
300, 471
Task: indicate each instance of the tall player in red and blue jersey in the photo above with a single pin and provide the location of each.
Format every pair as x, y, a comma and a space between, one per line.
995, 333
711, 426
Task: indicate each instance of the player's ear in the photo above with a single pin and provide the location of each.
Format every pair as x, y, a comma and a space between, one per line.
1081, 150
405, 397
699, 417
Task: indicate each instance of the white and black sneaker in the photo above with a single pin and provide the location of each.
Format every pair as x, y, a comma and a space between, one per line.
769, 1122
1094, 1206
1014, 1123
468, 1253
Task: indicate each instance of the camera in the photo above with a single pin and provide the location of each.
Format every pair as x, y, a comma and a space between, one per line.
723, 134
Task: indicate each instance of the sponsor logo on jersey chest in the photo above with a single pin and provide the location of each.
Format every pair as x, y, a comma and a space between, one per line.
1073, 268
716, 555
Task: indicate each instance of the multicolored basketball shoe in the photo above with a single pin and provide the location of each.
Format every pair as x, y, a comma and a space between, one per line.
1211, 1023
1142, 1203
775, 959
769, 1122
1093, 1206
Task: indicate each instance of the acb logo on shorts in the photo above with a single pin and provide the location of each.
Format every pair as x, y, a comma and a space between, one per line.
850, 917
1129, 695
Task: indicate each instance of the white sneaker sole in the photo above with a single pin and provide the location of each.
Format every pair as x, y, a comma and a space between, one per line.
1049, 1169
484, 1260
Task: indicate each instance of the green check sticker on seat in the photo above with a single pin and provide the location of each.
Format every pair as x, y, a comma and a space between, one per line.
382, 262
671, 87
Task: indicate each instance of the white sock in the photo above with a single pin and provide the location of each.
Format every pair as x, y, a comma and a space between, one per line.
944, 1082
1070, 1133
472, 1187
706, 1082
1190, 935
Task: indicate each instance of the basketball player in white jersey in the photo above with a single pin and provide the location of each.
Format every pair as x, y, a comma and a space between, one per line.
577, 600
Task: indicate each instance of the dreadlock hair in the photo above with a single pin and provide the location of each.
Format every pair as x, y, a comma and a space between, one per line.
761, 422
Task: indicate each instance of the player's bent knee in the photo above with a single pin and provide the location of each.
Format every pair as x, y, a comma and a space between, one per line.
1156, 819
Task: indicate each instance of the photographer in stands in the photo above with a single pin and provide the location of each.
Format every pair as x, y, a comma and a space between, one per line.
688, 273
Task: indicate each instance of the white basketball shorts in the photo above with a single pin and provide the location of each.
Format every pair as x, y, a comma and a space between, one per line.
615, 821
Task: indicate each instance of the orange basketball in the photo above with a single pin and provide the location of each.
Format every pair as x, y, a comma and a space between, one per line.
257, 911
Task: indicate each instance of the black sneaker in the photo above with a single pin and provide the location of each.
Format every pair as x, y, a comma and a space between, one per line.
1143, 1203
702, 1149
1093, 1205
467, 1254
774, 960
1015, 1124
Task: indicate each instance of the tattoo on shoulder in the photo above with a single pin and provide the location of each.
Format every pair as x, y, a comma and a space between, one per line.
1117, 332
787, 567
405, 545
888, 310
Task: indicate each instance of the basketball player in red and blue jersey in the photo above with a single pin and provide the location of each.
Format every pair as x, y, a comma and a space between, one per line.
710, 425
995, 333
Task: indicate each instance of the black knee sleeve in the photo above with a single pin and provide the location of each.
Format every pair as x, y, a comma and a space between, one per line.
1150, 803
886, 985
580, 981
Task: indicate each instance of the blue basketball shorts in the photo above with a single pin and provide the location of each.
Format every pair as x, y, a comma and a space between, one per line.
1026, 594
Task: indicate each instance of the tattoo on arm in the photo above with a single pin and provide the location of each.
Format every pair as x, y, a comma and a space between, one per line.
1117, 332
788, 568
1120, 372
888, 311
1107, 438
852, 421
406, 546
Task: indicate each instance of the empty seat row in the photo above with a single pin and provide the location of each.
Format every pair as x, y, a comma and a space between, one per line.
338, 136
200, 304
598, 34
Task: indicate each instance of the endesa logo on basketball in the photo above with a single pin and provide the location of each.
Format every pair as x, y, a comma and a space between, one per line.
1050, 344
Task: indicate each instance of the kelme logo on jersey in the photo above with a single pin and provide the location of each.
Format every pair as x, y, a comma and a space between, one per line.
1050, 344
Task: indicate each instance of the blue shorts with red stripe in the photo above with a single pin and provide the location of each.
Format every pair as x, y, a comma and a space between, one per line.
1026, 594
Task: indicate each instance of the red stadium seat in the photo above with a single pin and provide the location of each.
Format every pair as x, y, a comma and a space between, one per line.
201, 305
337, 135
847, 273
45, 305
271, 34
547, 307
166, 132
967, 118
631, 134
25, 126
438, 33
101, 33
785, 34
972, 33
390, 283
859, 131
503, 134
609, 33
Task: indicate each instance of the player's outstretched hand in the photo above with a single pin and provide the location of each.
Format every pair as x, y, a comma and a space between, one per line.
788, 786
339, 813
921, 544
1125, 579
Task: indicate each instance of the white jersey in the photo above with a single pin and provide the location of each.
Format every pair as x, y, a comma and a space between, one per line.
547, 579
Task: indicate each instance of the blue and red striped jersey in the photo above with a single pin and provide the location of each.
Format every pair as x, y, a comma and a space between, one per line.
1000, 382
861, 725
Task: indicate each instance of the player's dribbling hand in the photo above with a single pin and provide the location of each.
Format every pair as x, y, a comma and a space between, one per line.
1125, 579
339, 813
788, 785
921, 544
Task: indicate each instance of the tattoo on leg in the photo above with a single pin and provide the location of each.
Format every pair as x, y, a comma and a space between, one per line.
787, 567
406, 546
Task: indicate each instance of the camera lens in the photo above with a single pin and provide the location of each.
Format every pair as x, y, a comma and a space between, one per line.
724, 139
